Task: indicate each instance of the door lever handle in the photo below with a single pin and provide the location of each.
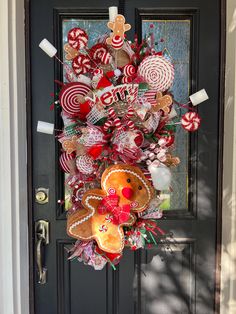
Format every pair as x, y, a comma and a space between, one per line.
42, 239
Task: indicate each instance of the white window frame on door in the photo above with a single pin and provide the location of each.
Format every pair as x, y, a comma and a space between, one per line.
14, 255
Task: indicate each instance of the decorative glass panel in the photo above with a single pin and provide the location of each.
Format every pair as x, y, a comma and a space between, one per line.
173, 37
94, 28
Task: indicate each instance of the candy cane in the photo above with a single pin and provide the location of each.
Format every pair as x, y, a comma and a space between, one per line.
127, 117
107, 125
113, 116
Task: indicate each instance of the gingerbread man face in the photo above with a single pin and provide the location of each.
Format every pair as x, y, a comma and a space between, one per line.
130, 184
127, 185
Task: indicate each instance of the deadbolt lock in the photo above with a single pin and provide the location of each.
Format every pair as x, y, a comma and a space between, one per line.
41, 195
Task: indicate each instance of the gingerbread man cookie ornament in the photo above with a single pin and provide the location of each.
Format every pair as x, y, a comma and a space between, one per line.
162, 103
124, 190
118, 28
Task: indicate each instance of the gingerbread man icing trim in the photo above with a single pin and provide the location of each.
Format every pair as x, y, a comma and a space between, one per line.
93, 223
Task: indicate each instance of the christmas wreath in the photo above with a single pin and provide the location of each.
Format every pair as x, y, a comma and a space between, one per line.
118, 140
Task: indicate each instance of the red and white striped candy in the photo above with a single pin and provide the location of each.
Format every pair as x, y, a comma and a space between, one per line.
77, 38
130, 112
98, 72
150, 96
117, 42
126, 79
117, 123
157, 71
106, 58
107, 125
190, 121
69, 97
64, 160
130, 124
129, 70
81, 64
112, 113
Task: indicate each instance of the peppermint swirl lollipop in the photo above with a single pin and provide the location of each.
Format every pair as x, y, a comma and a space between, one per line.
70, 97
157, 71
99, 53
77, 38
190, 121
81, 64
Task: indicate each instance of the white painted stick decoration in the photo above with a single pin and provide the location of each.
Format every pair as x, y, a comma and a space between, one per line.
45, 127
113, 11
48, 48
198, 97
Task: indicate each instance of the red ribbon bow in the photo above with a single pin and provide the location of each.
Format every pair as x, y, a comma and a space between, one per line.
109, 204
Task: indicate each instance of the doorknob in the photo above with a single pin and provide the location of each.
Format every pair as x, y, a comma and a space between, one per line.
42, 239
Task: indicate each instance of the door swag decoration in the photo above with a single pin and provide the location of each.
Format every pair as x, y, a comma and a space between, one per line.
118, 139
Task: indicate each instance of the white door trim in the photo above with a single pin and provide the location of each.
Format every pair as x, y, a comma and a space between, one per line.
14, 266
228, 257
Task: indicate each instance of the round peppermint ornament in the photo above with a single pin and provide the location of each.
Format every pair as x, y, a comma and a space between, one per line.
100, 54
157, 71
81, 64
70, 97
129, 70
190, 121
77, 38
117, 42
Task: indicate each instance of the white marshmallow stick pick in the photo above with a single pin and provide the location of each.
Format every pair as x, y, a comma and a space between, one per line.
113, 11
198, 97
48, 48
45, 127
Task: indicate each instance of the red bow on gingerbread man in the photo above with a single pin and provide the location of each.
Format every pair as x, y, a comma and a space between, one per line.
109, 204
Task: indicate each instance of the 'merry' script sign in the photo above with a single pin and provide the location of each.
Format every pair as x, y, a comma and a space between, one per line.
126, 92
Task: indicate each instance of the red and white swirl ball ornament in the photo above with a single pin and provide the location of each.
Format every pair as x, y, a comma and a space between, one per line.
77, 38
190, 121
157, 71
85, 164
129, 70
126, 79
117, 42
65, 159
81, 64
69, 99
100, 54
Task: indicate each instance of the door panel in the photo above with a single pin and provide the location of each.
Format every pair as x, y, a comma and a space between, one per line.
170, 278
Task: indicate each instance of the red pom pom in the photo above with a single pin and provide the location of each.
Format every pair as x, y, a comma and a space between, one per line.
84, 109
95, 151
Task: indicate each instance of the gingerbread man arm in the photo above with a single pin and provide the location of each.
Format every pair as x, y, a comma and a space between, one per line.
127, 27
110, 25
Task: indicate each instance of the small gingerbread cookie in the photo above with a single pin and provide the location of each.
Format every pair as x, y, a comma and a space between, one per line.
118, 28
71, 53
162, 103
